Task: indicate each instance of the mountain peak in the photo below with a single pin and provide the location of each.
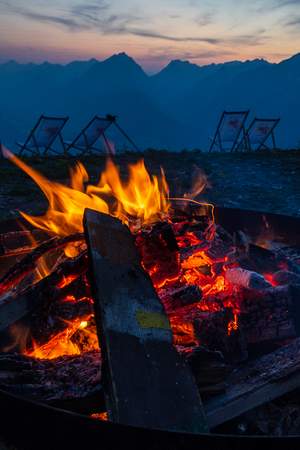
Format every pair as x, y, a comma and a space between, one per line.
123, 62
293, 60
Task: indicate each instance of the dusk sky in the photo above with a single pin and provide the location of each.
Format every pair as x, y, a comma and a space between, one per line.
153, 32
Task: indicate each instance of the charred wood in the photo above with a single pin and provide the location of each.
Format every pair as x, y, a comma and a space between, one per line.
15, 306
215, 333
20, 242
209, 368
159, 252
284, 277
257, 383
180, 297
272, 314
28, 263
64, 378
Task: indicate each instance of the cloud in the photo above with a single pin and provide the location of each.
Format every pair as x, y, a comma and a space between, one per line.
293, 22
156, 35
205, 19
96, 16
76, 18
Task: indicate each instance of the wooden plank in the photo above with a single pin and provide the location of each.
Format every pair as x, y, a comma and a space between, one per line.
147, 382
257, 383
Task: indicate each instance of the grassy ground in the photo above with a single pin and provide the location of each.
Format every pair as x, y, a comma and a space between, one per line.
264, 181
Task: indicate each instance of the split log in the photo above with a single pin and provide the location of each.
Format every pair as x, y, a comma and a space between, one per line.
16, 273
148, 383
262, 260
159, 252
283, 277
178, 298
15, 306
191, 327
215, 333
63, 378
15, 243
259, 259
270, 315
257, 383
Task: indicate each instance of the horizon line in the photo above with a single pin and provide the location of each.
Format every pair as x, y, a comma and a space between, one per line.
149, 72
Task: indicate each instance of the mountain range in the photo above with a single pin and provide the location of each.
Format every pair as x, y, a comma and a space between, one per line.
177, 108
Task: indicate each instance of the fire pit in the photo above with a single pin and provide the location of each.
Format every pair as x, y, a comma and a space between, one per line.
228, 281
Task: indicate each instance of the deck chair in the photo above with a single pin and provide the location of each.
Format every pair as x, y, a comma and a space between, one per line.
86, 140
230, 127
258, 133
43, 135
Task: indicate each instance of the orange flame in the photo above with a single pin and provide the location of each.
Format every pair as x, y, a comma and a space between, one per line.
61, 344
143, 199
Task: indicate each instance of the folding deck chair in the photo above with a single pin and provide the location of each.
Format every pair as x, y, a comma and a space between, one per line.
258, 133
230, 127
43, 135
86, 140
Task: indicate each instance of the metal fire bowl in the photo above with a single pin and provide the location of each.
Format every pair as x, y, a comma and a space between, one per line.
32, 425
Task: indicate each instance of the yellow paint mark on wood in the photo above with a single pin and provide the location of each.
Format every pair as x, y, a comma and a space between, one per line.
147, 319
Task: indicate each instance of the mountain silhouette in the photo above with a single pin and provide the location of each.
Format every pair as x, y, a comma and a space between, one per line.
177, 108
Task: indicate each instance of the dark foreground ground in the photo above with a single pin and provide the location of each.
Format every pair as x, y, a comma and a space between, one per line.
265, 181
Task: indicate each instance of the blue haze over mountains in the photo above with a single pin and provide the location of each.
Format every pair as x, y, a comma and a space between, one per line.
177, 108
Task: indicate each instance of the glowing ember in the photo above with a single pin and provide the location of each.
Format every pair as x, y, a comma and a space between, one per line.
61, 344
100, 416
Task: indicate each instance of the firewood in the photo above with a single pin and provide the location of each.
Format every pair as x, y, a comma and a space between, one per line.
272, 314
259, 259
17, 305
16, 273
63, 378
213, 331
183, 296
159, 252
149, 385
283, 277
257, 383
20, 242
209, 368
246, 278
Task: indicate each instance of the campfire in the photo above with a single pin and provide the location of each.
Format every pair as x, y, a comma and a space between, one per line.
231, 301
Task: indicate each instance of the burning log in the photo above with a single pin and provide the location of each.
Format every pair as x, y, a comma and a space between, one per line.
183, 296
270, 315
64, 378
20, 242
148, 383
28, 263
15, 306
214, 331
259, 382
246, 278
159, 253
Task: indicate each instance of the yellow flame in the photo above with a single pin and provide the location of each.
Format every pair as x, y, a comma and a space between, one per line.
144, 198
